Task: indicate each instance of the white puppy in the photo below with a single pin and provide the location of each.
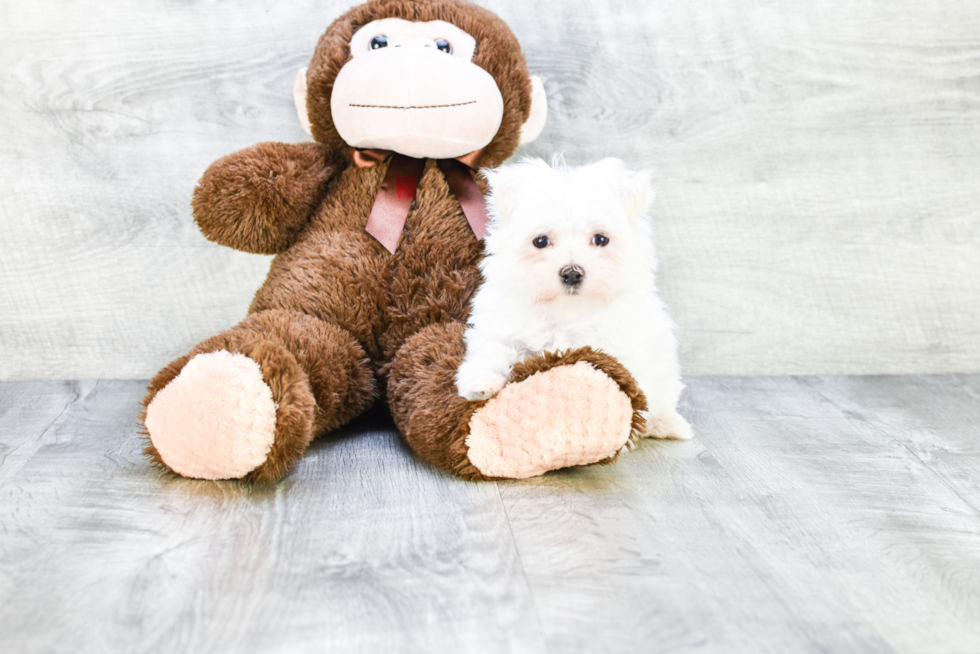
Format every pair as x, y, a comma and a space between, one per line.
570, 262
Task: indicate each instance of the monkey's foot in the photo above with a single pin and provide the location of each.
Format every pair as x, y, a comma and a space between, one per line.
568, 415
230, 414
569, 409
216, 419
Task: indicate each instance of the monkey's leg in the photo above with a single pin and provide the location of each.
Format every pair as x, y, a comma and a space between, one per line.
576, 409
246, 403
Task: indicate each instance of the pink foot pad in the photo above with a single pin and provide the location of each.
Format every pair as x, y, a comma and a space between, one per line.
566, 416
216, 419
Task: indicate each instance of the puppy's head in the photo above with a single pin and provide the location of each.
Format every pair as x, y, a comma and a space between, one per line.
568, 237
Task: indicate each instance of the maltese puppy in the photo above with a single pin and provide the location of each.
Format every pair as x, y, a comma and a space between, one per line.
570, 262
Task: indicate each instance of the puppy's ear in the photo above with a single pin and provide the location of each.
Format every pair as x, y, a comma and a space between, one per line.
511, 184
638, 194
503, 191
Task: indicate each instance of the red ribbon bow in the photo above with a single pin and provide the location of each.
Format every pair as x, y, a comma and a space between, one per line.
397, 191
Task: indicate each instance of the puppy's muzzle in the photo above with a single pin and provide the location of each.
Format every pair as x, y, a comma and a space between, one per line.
571, 276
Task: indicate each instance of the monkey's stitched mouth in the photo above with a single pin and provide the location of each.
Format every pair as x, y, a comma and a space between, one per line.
430, 106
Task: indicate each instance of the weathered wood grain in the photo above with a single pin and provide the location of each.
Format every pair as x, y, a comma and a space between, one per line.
810, 514
791, 524
816, 167
28, 412
935, 418
363, 549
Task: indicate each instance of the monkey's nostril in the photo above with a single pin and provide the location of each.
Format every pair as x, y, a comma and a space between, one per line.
571, 275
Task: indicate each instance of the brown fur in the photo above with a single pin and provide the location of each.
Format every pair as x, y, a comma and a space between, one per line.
424, 403
320, 378
435, 420
338, 316
258, 199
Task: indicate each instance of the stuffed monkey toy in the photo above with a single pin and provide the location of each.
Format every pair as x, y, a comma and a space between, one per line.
376, 227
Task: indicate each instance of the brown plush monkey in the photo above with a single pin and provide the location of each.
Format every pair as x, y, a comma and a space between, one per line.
376, 229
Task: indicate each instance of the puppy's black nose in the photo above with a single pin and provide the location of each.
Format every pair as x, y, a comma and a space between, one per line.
571, 275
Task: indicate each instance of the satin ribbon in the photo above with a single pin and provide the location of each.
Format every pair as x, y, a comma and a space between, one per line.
394, 200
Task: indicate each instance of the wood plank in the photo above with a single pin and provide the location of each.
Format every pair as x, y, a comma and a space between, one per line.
28, 413
806, 516
813, 213
363, 548
98, 317
936, 417
817, 205
788, 524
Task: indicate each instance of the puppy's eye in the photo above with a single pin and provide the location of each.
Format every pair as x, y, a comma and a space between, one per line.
541, 242
600, 240
445, 46
379, 41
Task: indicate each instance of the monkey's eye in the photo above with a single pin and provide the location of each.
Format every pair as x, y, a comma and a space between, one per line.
541, 242
445, 46
379, 42
600, 240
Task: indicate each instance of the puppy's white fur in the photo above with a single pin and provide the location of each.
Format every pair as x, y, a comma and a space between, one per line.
524, 307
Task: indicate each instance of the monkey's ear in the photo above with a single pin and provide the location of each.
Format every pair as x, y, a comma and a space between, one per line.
299, 97
532, 127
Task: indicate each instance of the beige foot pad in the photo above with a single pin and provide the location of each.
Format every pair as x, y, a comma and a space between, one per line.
216, 419
566, 416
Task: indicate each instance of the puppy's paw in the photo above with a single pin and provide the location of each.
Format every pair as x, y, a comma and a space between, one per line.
666, 424
475, 384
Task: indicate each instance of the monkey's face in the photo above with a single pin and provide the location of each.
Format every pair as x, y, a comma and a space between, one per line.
427, 78
411, 87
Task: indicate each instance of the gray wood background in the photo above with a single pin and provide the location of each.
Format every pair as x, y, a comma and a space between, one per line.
818, 169
811, 514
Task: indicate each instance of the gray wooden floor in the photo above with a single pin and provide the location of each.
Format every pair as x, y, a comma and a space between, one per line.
811, 514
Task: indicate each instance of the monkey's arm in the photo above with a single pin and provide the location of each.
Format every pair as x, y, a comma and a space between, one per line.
258, 199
